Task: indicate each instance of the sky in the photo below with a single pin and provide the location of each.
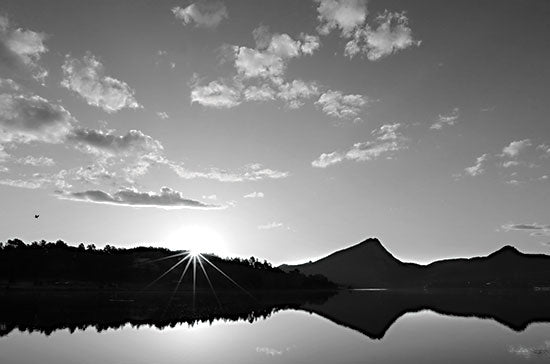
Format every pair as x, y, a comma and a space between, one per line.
285, 130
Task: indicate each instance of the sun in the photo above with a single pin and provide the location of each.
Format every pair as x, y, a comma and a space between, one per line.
197, 240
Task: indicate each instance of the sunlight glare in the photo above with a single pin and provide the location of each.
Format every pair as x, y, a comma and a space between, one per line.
197, 240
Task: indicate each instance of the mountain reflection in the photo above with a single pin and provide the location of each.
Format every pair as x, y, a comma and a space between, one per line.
371, 313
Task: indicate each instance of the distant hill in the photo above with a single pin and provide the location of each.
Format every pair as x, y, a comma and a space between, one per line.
47, 265
369, 265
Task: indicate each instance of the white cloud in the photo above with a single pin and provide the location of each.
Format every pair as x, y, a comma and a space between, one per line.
38, 180
545, 149
294, 93
36, 161
345, 15
387, 141
216, 94
86, 77
271, 225
269, 59
163, 115
251, 172
515, 147
8, 83
327, 159
254, 195
20, 51
166, 199
335, 104
391, 35
25, 118
210, 197
310, 43
203, 14
477, 168
269, 351
509, 164
446, 119
261, 93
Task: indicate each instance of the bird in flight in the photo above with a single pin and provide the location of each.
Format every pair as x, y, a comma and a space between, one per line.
36, 216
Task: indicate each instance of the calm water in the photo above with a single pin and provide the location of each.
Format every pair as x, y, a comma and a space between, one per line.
334, 331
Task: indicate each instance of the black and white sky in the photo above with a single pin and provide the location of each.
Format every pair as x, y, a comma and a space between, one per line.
280, 129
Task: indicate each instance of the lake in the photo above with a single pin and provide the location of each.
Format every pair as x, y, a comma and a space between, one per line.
346, 327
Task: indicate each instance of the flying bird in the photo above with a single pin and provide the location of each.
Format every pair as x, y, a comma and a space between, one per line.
36, 216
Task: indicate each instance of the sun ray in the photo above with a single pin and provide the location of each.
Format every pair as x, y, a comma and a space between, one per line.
168, 271
164, 258
209, 282
194, 258
228, 277
178, 284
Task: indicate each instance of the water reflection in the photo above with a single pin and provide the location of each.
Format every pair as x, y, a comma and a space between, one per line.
347, 327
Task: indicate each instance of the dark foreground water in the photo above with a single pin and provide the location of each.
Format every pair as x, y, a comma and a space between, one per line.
343, 327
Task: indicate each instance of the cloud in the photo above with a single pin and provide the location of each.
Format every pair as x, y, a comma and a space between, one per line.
533, 229
269, 351
387, 141
261, 93
107, 143
204, 14
166, 199
216, 94
39, 180
391, 35
271, 225
345, 15
515, 147
163, 115
210, 197
87, 78
254, 195
529, 352
477, 168
36, 161
335, 104
446, 119
294, 93
545, 149
251, 172
25, 118
20, 51
509, 164
260, 76
8, 83
269, 59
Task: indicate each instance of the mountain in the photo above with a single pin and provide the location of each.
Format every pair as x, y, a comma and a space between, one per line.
369, 265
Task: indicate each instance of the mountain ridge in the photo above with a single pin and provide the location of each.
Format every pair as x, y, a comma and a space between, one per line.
369, 264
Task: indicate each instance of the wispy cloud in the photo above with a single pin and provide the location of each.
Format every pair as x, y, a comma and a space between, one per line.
478, 167
206, 14
166, 199
534, 229
254, 195
271, 225
446, 119
36, 161
86, 77
26, 118
163, 115
250, 172
387, 141
20, 51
